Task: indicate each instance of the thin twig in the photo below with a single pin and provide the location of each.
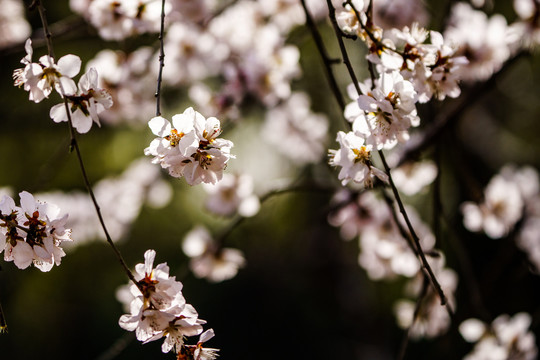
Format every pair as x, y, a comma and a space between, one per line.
74, 145
220, 239
417, 308
414, 236
161, 60
327, 61
452, 111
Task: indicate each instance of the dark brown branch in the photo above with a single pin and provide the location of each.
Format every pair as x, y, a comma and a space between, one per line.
161, 60
412, 233
74, 145
452, 111
327, 61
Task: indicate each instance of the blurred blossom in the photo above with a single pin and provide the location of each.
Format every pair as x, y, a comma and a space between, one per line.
232, 194
120, 198
208, 260
191, 10
297, 133
356, 212
506, 338
485, 42
432, 319
390, 14
117, 20
527, 28
130, 82
412, 177
501, 208
385, 254
192, 54
14, 27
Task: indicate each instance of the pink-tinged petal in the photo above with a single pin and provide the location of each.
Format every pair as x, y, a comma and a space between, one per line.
149, 257
89, 80
65, 86
81, 122
207, 335
366, 103
46, 61
29, 52
28, 203
58, 113
128, 322
22, 254
160, 126
42, 253
69, 65
44, 266
7, 205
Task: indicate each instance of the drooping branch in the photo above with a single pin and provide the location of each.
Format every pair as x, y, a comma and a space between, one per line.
74, 145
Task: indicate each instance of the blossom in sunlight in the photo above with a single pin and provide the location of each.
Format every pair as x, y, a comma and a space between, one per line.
507, 338
295, 130
389, 110
32, 233
84, 106
158, 308
190, 147
232, 194
198, 352
354, 158
40, 78
500, 210
208, 260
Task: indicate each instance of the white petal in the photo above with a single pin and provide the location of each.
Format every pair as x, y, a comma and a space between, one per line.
69, 65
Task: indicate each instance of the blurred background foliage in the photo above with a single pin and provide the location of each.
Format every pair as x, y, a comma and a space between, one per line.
302, 294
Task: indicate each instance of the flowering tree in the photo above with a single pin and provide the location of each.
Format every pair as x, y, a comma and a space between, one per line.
242, 145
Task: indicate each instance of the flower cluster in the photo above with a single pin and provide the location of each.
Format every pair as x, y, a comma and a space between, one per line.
32, 233
158, 309
40, 78
190, 147
506, 338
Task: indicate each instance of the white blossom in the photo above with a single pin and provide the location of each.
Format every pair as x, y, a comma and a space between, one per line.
84, 106
32, 233
191, 149
354, 158
40, 78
